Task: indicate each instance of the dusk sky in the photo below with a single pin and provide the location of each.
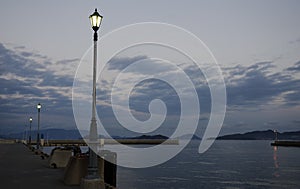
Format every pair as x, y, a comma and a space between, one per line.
256, 44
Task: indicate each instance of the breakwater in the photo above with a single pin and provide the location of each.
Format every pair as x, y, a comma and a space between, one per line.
286, 143
111, 142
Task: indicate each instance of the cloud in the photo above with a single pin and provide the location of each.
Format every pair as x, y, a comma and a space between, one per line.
27, 78
255, 85
151, 89
295, 68
296, 122
147, 90
296, 41
120, 63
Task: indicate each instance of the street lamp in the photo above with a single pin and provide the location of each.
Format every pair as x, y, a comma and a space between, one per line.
39, 106
30, 121
95, 19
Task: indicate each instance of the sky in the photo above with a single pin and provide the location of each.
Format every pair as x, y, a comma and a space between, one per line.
256, 44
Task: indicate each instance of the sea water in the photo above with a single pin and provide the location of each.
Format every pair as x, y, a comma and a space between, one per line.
238, 164
227, 164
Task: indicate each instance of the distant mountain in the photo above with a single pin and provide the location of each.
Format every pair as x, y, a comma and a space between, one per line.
289, 135
74, 134
188, 136
262, 135
149, 137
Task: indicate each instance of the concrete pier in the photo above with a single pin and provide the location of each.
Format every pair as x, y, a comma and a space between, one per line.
22, 168
111, 142
286, 143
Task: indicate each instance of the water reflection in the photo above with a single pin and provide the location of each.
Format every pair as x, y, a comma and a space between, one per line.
276, 163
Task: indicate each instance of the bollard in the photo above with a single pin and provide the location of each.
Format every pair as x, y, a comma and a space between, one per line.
42, 142
59, 158
110, 167
77, 168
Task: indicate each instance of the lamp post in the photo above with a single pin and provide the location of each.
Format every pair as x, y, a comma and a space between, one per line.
39, 106
95, 19
30, 121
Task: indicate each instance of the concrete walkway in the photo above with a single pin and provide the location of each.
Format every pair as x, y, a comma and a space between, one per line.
20, 168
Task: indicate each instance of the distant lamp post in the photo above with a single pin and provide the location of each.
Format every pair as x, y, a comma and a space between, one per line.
276, 134
39, 106
30, 122
95, 19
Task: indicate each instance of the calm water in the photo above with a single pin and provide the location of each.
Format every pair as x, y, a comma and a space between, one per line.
227, 164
